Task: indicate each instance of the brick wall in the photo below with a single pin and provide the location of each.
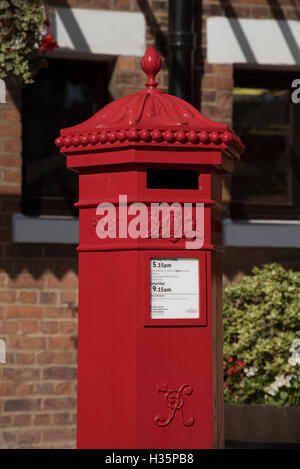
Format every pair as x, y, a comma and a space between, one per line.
38, 297
38, 312
38, 283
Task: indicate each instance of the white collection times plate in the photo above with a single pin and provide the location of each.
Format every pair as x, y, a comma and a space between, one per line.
174, 288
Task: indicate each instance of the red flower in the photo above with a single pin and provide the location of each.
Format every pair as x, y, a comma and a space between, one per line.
229, 359
48, 42
240, 363
231, 370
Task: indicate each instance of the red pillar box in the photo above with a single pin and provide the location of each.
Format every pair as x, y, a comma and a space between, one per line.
150, 372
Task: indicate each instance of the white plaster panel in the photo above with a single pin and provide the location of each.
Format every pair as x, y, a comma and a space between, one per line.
99, 31
269, 42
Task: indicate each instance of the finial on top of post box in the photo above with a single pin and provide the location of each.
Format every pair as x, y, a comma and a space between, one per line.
151, 64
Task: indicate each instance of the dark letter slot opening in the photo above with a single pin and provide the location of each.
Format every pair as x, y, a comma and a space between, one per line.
172, 179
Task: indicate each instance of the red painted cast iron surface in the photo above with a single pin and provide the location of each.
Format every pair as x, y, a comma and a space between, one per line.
146, 383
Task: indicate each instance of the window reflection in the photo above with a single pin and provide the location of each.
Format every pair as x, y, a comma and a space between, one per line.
261, 118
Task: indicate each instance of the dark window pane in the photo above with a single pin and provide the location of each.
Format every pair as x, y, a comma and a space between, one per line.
64, 94
261, 119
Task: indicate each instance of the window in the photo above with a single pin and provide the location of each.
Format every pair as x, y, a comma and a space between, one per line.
64, 94
266, 179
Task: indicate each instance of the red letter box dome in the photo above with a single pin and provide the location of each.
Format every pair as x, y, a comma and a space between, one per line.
150, 118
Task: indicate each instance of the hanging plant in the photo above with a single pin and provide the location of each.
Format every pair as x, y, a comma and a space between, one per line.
25, 36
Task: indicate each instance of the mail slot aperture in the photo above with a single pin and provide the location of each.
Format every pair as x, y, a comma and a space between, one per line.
172, 179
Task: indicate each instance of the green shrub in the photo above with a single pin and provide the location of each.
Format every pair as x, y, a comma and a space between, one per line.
262, 338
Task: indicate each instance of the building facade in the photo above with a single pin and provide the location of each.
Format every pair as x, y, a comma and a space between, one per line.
246, 66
